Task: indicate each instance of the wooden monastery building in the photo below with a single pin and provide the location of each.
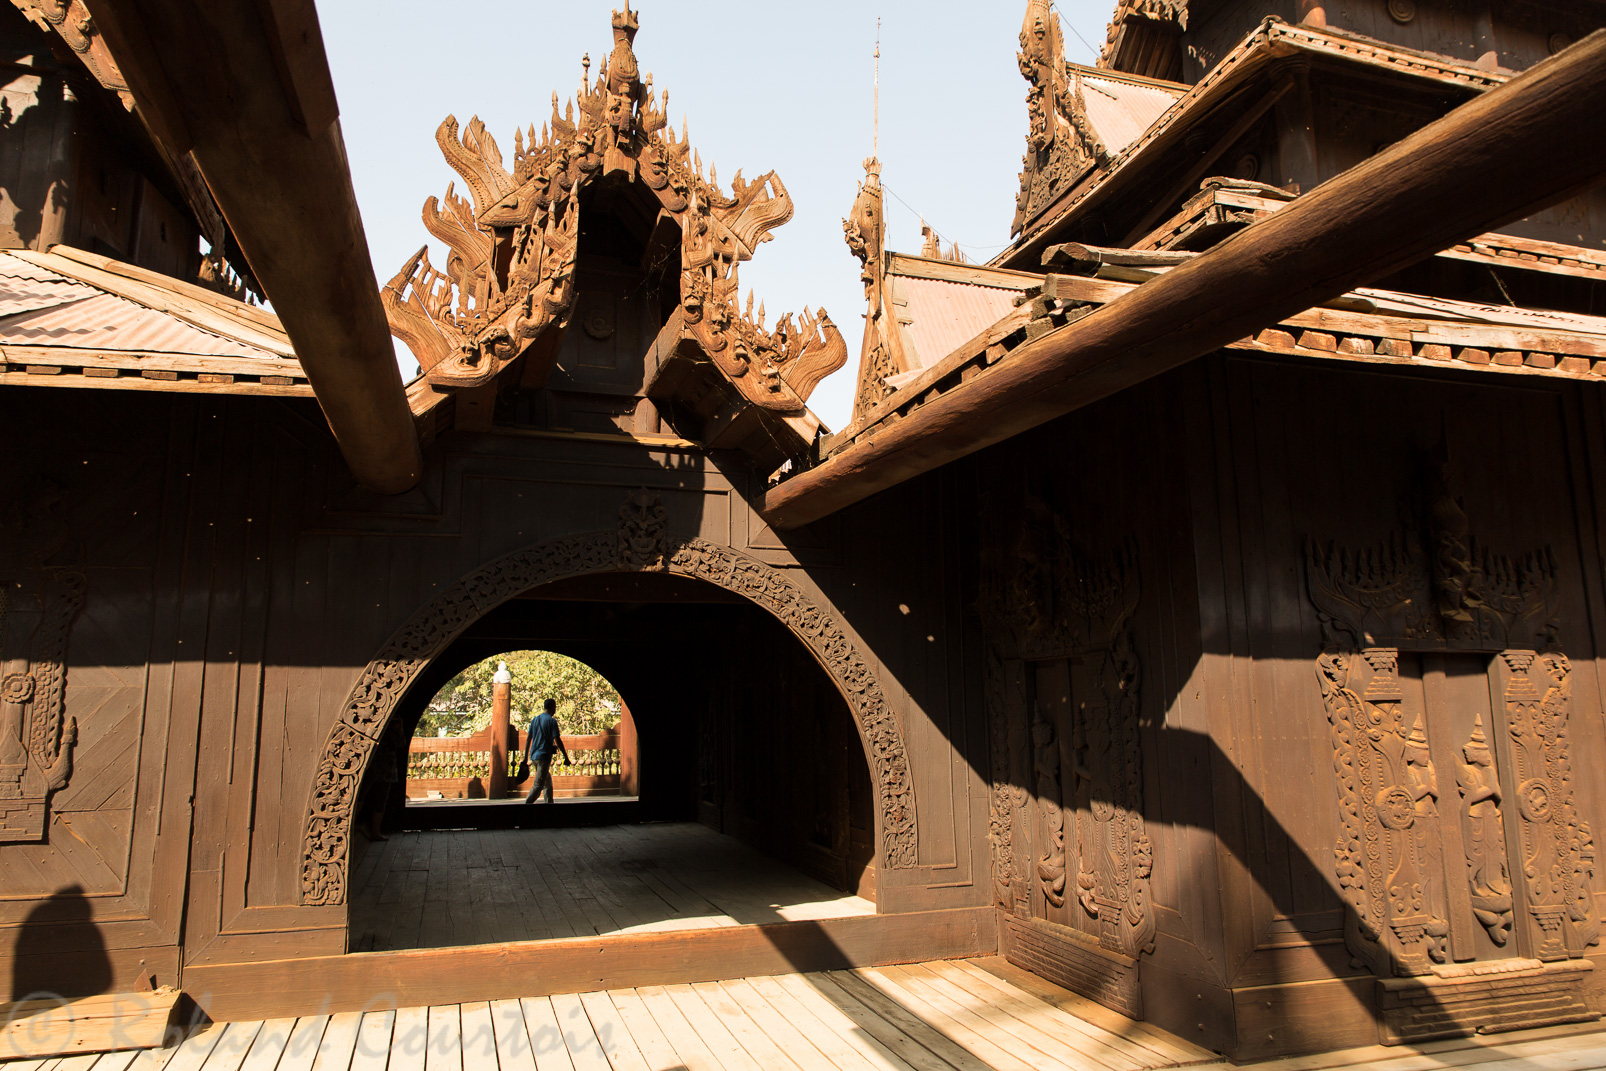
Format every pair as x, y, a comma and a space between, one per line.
1202, 609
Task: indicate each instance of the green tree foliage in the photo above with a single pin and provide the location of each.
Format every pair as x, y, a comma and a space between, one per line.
587, 703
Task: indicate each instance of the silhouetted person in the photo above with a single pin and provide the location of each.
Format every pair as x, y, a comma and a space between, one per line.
544, 737
60, 950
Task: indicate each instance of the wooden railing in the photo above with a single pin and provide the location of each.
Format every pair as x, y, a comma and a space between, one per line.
460, 767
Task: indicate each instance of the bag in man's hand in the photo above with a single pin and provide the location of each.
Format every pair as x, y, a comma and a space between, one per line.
524, 771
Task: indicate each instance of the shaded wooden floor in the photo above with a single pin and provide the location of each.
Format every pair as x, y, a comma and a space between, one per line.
469, 887
942, 1016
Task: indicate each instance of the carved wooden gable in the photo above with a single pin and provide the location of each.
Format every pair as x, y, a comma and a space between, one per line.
510, 275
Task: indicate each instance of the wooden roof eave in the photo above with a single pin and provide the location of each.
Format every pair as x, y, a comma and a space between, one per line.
1269, 44
1406, 202
260, 120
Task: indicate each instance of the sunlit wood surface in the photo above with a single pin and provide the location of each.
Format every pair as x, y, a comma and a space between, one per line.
941, 1016
467, 887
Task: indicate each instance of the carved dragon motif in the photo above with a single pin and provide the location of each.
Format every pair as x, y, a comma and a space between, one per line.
510, 273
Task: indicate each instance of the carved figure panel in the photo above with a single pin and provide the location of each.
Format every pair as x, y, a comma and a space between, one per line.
509, 276
1432, 587
1074, 750
1114, 856
38, 604
328, 826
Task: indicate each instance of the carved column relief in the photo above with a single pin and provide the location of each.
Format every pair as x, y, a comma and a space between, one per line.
641, 541
1385, 858
1046, 757
38, 605
1046, 603
1432, 587
1558, 850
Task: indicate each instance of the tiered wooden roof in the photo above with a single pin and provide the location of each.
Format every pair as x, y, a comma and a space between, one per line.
1284, 290
1152, 171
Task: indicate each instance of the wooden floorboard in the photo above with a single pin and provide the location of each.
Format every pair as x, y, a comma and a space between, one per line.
936, 1016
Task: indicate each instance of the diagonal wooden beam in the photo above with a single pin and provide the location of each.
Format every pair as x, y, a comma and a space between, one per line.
1502, 156
244, 85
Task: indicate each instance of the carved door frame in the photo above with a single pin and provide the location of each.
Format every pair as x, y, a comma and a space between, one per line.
639, 544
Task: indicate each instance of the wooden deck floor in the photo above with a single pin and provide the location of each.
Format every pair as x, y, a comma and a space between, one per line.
469, 887
942, 1016
925, 1017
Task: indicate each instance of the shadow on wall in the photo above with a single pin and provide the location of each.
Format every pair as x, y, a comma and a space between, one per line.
60, 951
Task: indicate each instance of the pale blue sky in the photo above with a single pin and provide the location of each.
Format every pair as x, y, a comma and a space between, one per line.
763, 86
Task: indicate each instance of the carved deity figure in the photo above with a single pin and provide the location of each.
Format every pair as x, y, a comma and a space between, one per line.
1483, 834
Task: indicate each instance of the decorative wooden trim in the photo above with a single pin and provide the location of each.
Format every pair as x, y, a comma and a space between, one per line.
640, 543
1069, 958
1485, 998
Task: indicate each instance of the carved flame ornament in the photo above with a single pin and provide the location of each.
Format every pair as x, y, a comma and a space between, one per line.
514, 243
1061, 145
1431, 587
38, 605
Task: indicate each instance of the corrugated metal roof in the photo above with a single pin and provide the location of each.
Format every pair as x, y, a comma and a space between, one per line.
944, 315
25, 287
1120, 111
40, 308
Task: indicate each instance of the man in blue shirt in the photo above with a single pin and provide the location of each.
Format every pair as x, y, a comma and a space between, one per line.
545, 736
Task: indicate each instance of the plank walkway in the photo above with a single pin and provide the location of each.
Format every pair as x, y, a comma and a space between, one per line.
942, 1016
467, 887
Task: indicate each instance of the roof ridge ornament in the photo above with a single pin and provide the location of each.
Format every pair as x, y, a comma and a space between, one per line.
509, 275
1061, 145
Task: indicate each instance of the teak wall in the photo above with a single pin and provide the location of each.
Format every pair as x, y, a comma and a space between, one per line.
1109, 629
1194, 502
237, 584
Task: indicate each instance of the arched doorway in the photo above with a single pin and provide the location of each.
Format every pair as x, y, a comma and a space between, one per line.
636, 548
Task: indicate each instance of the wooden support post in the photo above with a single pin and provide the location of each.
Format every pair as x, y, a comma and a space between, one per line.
1500, 157
501, 721
629, 770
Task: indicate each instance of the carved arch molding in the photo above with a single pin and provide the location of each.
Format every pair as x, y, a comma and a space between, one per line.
639, 544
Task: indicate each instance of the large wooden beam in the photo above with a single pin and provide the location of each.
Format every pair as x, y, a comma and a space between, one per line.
245, 85
1515, 149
